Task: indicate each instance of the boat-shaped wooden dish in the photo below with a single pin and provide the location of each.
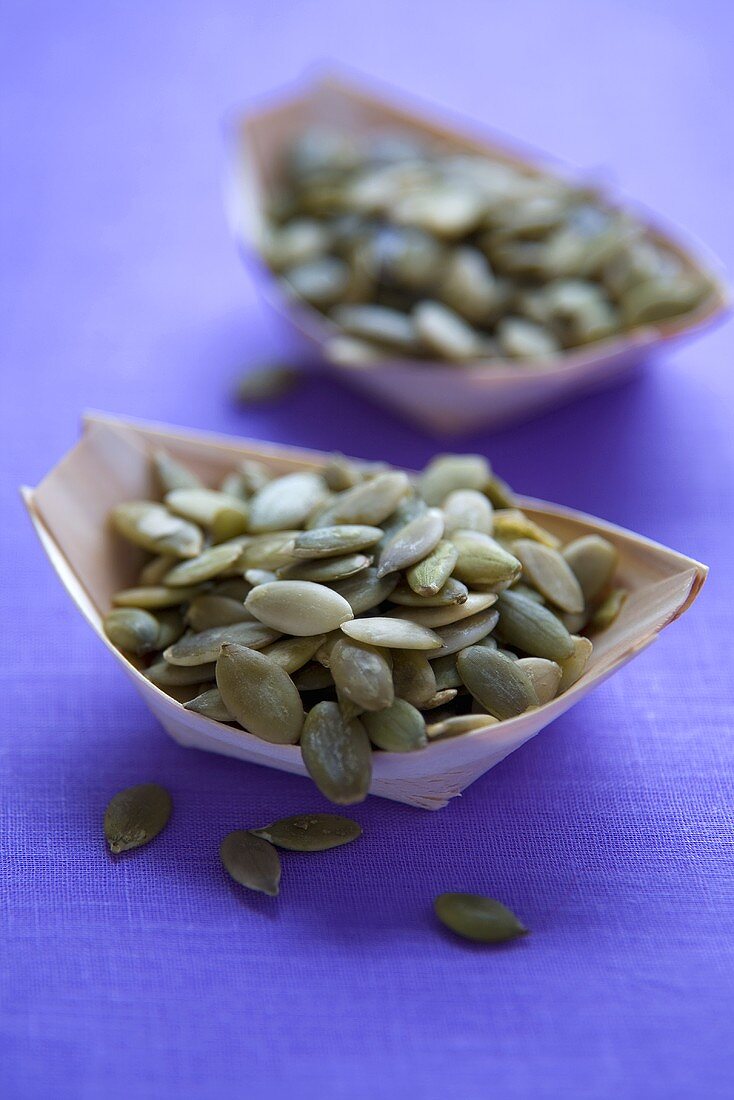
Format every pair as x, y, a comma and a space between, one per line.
111, 464
446, 399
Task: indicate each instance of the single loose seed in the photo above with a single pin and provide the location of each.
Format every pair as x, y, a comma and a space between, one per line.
458, 724
534, 629
208, 611
550, 573
293, 653
452, 592
286, 502
211, 705
334, 542
201, 648
154, 597
259, 695
152, 527
208, 565
499, 685
135, 816
251, 861
325, 570
337, 754
593, 560
447, 473
452, 613
392, 633
166, 676
427, 577
467, 632
478, 918
468, 510
132, 630
607, 613
310, 832
202, 506
545, 677
482, 560
266, 383
398, 728
574, 666
368, 504
511, 524
414, 677
362, 674
412, 543
172, 474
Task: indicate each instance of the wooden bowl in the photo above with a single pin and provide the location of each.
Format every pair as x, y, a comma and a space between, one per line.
111, 464
446, 399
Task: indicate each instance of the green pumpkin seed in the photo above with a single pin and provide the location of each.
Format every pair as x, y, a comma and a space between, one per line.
446, 672
458, 724
234, 485
573, 668
259, 695
550, 573
268, 551
228, 524
183, 693
607, 613
171, 626
337, 754
532, 628
326, 569
208, 611
301, 608
172, 474
413, 676
447, 473
202, 506
444, 333
427, 577
293, 653
412, 543
467, 510
594, 561
310, 832
155, 570
499, 493
204, 568
368, 504
254, 577
481, 560
335, 542
545, 677
234, 588
391, 633
267, 383
135, 816
313, 677
378, 324
440, 699
341, 473
286, 502
498, 684
201, 648
478, 918
452, 613
362, 674
365, 590
468, 632
132, 630
165, 676
152, 527
511, 524
452, 592
398, 728
251, 862
155, 597
210, 704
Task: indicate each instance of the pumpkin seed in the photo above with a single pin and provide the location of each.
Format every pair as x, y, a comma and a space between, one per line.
452, 613
392, 633
251, 862
293, 653
337, 754
298, 607
287, 502
267, 383
313, 677
368, 504
341, 473
550, 573
132, 630
444, 333
254, 577
446, 672
481, 560
440, 699
545, 677
325, 569
573, 668
365, 590
427, 577
398, 728
534, 629
378, 324
171, 625
362, 674
499, 493
164, 675
201, 648
228, 524
607, 613
207, 566
498, 684
458, 724
413, 675
334, 542
155, 570
468, 285
310, 832
467, 632
259, 695
453, 591
511, 524
135, 816
446, 473
522, 339
267, 551
202, 506
152, 527
468, 510
154, 597
478, 918
210, 704
208, 611
172, 474
594, 561
412, 543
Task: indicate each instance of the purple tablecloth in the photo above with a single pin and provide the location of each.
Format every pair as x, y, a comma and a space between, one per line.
610, 834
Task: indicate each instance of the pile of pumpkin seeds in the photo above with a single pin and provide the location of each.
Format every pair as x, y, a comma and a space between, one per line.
356, 608
416, 251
